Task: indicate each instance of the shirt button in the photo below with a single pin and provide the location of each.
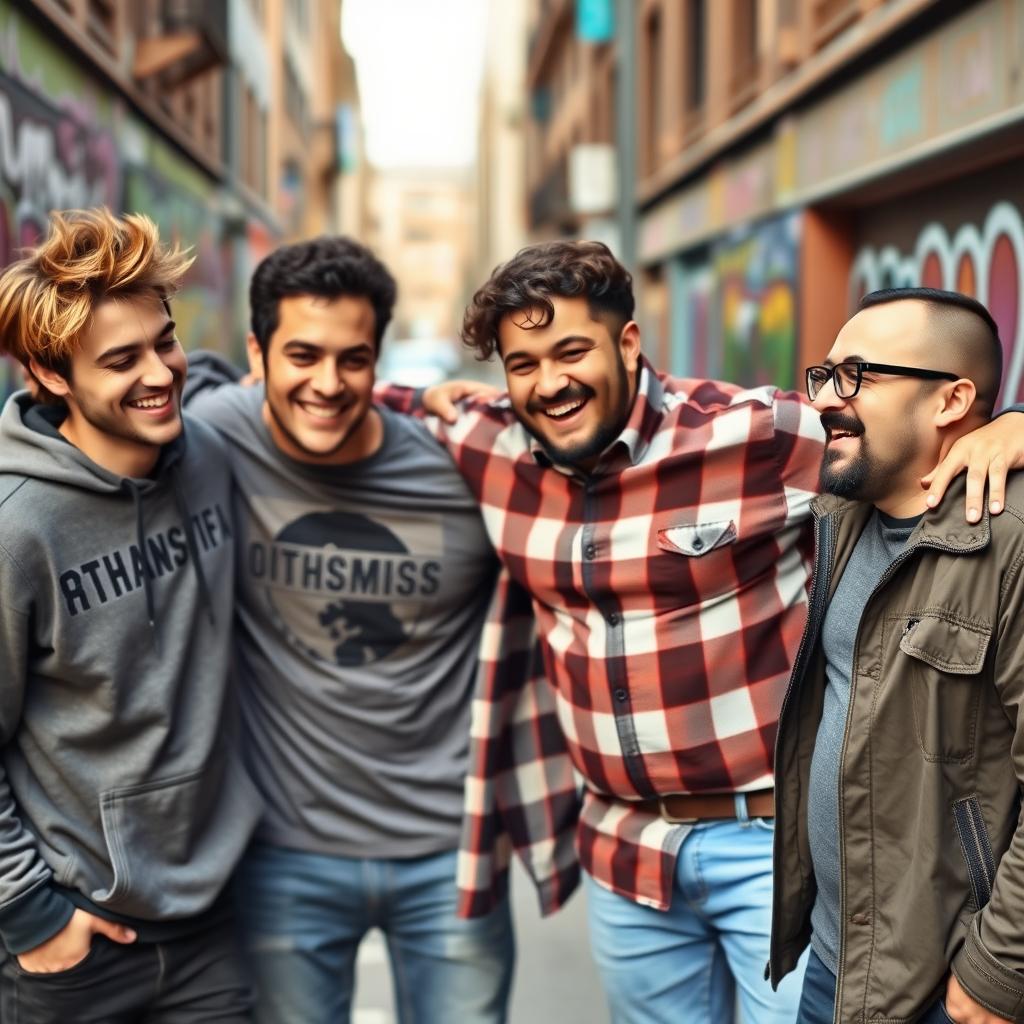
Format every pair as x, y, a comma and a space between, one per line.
589, 551
621, 695
860, 918
613, 619
697, 543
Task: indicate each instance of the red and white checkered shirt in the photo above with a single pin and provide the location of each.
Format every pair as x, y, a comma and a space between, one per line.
668, 590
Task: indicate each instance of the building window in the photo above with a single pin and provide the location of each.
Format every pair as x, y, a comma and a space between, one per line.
101, 23
695, 64
831, 17
254, 143
652, 89
295, 101
300, 13
746, 65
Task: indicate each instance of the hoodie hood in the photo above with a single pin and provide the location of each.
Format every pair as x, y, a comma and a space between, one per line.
31, 445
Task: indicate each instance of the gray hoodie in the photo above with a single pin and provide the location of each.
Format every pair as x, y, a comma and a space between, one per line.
120, 790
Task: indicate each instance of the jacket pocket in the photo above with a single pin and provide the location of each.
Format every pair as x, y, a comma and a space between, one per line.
173, 843
945, 656
698, 539
976, 847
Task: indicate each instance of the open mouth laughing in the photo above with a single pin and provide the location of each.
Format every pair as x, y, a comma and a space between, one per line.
565, 410
154, 405
840, 430
326, 411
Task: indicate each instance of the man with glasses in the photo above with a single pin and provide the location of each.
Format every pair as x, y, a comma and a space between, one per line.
899, 851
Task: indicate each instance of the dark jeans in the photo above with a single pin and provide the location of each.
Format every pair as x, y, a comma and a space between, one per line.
197, 979
818, 1000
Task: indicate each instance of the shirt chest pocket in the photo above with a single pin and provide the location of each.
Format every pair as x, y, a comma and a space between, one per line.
698, 539
943, 656
694, 562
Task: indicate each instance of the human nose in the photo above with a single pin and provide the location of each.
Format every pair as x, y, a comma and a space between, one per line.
550, 380
328, 381
156, 373
827, 396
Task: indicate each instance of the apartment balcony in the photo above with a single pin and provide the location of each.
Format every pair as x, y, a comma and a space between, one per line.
179, 40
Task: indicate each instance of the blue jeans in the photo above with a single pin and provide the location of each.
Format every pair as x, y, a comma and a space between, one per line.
707, 952
818, 1000
303, 916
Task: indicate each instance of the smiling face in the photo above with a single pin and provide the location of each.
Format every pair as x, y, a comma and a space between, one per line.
123, 391
319, 376
571, 383
880, 442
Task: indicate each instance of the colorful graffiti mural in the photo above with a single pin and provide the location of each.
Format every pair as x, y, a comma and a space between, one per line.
986, 262
68, 140
757, 286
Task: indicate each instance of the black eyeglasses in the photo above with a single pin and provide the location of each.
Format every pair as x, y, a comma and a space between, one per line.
847, 377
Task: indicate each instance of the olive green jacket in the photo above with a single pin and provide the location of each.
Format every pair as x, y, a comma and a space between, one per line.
931, 843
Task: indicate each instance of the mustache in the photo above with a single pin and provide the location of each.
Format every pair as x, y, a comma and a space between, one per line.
571, 393
837, 421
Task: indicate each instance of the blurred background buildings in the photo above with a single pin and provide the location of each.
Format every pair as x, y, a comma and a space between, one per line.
773, 160
758, 163
232, 123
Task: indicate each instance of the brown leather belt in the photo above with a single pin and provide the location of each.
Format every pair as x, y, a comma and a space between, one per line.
686, 808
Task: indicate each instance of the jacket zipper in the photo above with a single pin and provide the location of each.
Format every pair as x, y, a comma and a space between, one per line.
980, 861
883, 580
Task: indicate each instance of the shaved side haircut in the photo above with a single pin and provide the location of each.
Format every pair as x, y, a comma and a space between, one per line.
964, 336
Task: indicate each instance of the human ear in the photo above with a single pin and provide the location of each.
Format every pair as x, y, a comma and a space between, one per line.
255, 353
629, 345
50, 379
957, 402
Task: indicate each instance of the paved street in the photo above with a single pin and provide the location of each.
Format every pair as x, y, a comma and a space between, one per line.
555, 979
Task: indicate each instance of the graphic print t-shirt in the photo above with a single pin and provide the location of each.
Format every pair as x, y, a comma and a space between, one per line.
362, 592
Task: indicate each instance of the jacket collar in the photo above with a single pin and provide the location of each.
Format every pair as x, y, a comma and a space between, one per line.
943, 526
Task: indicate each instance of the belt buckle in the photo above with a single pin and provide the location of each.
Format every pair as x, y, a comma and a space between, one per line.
671, 818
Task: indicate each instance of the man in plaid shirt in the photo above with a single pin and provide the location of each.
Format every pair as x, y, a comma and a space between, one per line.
658, 530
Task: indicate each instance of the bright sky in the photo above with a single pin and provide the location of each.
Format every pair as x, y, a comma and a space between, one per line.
419, 64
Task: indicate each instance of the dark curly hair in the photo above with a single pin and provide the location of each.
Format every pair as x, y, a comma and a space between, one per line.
328, 267
539, 273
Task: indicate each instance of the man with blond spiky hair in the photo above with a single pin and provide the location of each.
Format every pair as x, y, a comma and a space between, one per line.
123, 807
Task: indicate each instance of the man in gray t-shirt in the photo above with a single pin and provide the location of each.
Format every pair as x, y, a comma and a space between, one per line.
364, 579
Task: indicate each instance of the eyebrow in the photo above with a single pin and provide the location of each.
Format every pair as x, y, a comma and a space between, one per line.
560, 344
311, 346
123, 350
847, 359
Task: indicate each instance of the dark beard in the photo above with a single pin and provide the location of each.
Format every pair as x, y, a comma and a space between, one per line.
574, 455
849, 482
578, 454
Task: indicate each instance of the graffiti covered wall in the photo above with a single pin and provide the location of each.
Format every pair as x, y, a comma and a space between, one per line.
968, 237
67, 140
757, 299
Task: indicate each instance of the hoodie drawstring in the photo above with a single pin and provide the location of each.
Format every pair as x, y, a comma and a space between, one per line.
193, 547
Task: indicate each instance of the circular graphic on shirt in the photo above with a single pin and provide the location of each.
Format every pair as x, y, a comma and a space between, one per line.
342, 584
